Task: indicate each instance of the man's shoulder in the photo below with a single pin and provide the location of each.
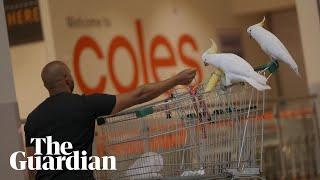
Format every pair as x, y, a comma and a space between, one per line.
32, 116
72, 96
36, 111
47, 104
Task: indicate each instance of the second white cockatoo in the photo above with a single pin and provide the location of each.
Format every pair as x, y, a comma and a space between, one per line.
271, 45
235, 68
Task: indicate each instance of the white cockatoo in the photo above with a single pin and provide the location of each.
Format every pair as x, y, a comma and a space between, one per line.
147, 166
271, 45
235, 68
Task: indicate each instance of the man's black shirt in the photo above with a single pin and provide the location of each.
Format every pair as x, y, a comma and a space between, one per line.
68, 117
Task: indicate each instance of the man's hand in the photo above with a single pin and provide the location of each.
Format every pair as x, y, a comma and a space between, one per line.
150, 91
185, 77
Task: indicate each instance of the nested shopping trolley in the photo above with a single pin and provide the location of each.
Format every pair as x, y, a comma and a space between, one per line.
191, 135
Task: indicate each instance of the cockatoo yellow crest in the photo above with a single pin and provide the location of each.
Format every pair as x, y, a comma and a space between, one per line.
213, 49
262, 22
215, 76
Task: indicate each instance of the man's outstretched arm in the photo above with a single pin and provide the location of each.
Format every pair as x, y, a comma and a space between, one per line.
150, 91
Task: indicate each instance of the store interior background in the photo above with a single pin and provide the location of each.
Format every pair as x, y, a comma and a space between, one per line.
217, 16
296, 23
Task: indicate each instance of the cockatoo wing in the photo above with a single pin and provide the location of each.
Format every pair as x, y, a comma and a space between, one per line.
231, 63
252, 81
236, 69
273, 47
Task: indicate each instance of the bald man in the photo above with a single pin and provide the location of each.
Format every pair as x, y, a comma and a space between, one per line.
70, 117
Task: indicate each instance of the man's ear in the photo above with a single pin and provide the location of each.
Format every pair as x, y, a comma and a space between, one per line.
70, 84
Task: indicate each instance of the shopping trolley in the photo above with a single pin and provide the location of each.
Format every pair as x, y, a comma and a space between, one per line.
191, 135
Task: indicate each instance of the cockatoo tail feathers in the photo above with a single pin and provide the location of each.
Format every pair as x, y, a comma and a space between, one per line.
255, 84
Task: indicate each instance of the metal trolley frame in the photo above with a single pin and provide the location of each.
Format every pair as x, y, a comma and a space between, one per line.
192, 135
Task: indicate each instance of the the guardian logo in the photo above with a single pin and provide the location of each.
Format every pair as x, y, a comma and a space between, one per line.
57, 157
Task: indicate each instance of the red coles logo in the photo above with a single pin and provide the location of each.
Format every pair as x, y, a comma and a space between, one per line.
120, 41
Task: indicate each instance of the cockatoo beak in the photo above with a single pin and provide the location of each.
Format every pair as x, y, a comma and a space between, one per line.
206, 64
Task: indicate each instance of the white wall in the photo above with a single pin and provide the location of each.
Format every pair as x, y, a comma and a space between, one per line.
27, 62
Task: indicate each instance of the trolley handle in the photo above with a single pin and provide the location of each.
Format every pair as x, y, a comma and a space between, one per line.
101, 121
144, 112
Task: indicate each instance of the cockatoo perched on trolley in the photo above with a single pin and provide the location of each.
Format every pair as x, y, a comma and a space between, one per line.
235, 69
271, 45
